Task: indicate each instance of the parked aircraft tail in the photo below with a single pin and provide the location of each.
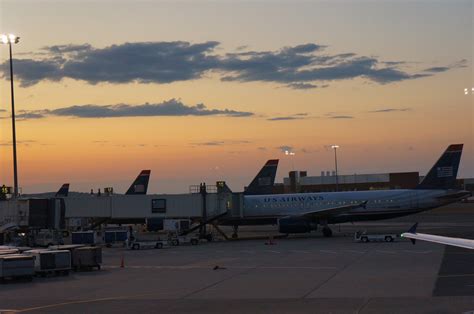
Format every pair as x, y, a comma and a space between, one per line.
444, 172
63, 191
140, 185
263, 182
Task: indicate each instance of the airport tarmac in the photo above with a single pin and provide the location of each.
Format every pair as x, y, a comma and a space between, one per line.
296, 275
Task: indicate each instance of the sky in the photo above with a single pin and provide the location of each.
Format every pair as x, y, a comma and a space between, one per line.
199, 91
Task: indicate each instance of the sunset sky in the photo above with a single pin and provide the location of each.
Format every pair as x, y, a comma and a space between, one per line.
198, 91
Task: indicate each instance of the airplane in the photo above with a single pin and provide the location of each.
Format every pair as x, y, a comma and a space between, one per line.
459, 242
140, 185
304, 212
63, 191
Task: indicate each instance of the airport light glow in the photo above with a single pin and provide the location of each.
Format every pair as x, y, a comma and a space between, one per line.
10, 39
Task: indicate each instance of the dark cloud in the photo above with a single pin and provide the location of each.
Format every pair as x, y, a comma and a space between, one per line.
302, 86
341, 117
437, 69
296, 116
28, 115
296, 67
211, 143
390, 110
172, 107
221, 143
285, 118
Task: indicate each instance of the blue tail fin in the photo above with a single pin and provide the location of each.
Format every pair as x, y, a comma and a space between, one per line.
63, 191
444, 172
263, 182
140, 185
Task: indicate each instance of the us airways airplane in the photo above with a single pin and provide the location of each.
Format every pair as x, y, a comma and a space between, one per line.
459, 242
304, 212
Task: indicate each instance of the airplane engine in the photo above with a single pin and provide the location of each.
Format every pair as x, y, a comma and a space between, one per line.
295, 225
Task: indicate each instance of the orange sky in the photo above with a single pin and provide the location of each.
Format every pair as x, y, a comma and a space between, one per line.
184, 150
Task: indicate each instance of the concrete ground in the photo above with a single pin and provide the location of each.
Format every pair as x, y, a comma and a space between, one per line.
296, 275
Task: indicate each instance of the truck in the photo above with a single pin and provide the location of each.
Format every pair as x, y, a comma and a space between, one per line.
16, 266
363, 236
137, 241
51, 261
176, 239
47, 237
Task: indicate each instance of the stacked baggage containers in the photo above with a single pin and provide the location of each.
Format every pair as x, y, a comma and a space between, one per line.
51, 261
16, 266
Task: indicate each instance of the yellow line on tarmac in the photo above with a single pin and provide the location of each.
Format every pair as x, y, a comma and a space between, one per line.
81, 302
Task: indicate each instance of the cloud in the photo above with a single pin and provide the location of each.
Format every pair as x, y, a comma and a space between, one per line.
390, 110
221, 143
285, 118
437, 69
333, 115
19, 142
172, 107
296, 116
302, 86
296, 67
341, 117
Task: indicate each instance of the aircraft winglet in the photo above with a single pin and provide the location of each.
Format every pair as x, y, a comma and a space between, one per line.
413, 231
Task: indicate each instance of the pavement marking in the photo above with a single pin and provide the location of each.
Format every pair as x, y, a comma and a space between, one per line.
457, 275
247, 251
417, 252
299, 251
328, 251
82, 302
270, 251
385, 252
354, 251
227, 267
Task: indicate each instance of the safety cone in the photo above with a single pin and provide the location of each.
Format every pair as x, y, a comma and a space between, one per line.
270, 241
122, 262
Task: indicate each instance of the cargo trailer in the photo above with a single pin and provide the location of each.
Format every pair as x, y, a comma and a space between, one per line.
51, 261
86, 237
9, 251
83, 257
16, 266
112, 237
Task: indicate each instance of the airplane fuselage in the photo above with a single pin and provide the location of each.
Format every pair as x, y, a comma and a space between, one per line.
381, 204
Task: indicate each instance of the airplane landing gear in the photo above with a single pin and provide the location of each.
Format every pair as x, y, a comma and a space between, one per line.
327, 232
236, 229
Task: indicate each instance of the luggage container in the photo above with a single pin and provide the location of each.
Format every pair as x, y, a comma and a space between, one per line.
112, 237
86, 237
83, 257
9, 251
16, 266
51, 261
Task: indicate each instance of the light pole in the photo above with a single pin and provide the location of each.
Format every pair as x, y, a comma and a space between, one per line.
12, 39
335, 147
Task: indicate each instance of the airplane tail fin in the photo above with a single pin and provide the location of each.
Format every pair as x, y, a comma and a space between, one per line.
63, 191
263, 182
140, 185
444, 172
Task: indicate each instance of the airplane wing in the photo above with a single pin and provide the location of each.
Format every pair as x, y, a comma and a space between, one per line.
330, 211
459, 242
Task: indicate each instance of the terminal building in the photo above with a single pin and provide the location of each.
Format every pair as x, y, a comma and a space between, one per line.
300, 182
